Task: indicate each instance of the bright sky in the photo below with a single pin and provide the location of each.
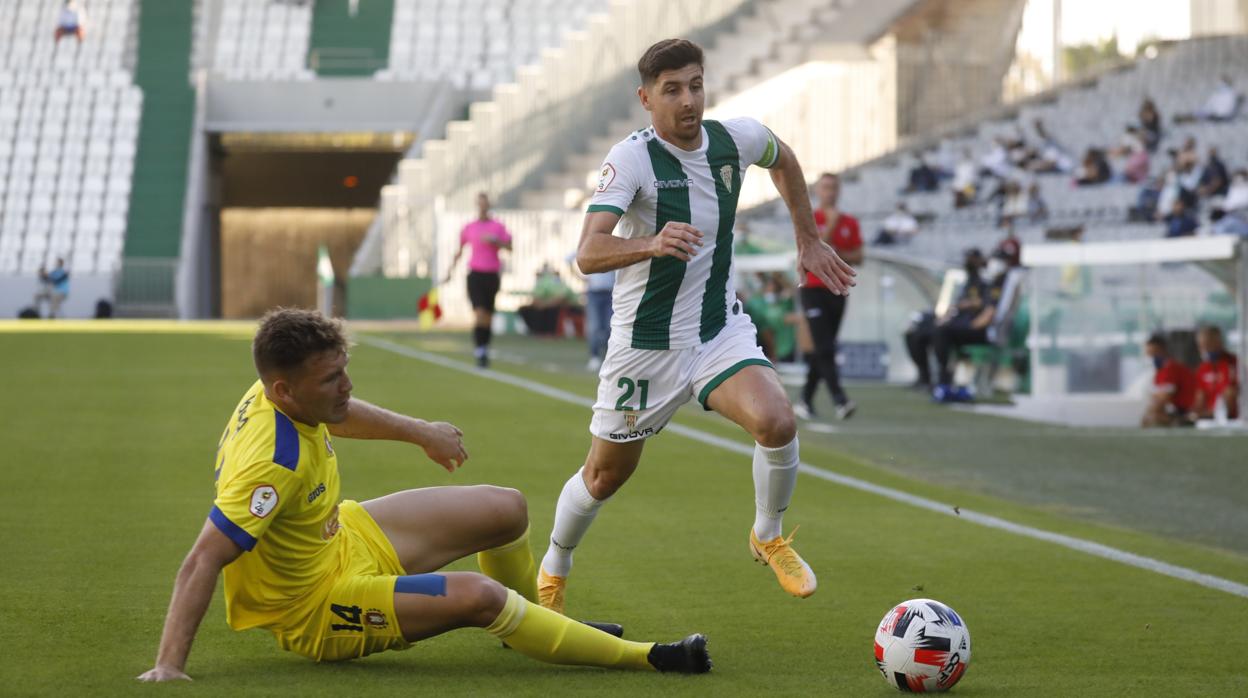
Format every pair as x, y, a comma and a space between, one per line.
1086, 21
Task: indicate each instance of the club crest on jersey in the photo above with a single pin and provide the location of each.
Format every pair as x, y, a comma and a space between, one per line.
263, 501
606, 177
330, 527
630, 421
725, 175
329, 447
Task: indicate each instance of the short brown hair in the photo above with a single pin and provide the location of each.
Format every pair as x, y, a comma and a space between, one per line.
668, 54
288, 336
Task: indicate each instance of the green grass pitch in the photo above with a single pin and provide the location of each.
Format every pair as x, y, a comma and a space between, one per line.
107, 477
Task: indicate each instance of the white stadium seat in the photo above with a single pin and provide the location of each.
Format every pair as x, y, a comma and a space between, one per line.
65, 109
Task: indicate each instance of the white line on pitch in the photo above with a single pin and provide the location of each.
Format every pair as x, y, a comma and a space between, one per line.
1085, 546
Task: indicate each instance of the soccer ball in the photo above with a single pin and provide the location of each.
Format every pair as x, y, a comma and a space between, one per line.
922, 645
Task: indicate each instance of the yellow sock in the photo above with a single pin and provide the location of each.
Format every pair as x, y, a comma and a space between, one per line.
512, 566
550, 637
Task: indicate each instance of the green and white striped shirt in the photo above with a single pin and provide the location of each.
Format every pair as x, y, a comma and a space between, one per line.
665, 303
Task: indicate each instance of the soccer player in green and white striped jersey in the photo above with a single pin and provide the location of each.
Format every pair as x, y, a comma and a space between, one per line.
663, 216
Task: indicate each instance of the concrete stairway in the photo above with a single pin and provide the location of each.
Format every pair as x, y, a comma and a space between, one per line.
763, 44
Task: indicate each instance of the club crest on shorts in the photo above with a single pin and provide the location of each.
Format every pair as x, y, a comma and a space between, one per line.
630, 421
375, 618
263, 501
725, 174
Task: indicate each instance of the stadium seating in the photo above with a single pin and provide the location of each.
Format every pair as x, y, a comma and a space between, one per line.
477, 43
1079, 116
69, 124
262, 40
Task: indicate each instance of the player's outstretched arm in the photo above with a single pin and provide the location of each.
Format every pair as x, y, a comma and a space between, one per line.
192, 591
601, 251
443, 442
813, 254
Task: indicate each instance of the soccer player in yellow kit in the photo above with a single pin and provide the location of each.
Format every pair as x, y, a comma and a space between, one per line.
338, 579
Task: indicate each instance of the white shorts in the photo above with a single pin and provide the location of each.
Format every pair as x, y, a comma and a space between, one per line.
640, 389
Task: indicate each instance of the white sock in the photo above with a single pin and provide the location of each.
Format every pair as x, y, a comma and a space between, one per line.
573, 515
775, 475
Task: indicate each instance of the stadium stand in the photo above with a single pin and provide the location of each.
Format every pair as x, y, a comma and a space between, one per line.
69, 131
257, 40
477, 44
1092, 114
772, 38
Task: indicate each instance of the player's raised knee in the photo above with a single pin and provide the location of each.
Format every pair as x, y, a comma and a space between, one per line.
509, 509
777, 427
480, 598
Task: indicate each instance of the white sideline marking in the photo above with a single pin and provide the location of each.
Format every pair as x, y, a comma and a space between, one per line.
1079, 544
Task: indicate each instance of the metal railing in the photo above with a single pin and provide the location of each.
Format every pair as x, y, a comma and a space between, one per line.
146, 287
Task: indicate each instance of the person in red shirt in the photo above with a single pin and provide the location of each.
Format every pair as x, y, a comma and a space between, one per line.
823, 308
1217, 377
1174, 387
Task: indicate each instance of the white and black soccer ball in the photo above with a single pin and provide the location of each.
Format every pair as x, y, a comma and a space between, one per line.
922, 645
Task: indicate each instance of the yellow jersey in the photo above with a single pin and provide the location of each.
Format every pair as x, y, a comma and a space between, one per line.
277, 499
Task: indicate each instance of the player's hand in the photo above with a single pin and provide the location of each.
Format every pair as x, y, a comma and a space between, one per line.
820, 259
163, 673
679, 240
444, 444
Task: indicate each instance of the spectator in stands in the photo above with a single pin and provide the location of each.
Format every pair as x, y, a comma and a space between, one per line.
1214, 178
71, 22
1052, 157
923, 325
598, 311
824, 310
1013, 203
486, 237
1217, 377
1146, 202
1094, 169
997, 162
551, 297
1150, 124
53, 288
965, 181
1180, 182
923, 178
1222, 105
1189, 156
1174, 387
1231, 216
1010, 248
1181, 222
970, 324
899, 227
1037, 207
1134, 156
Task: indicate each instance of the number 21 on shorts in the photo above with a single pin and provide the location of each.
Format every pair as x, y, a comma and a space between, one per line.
629, 386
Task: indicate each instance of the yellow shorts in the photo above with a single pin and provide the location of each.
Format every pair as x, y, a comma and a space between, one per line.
356, 617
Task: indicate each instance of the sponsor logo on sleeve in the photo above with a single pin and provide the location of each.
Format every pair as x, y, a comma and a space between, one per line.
263, 501
606, 177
